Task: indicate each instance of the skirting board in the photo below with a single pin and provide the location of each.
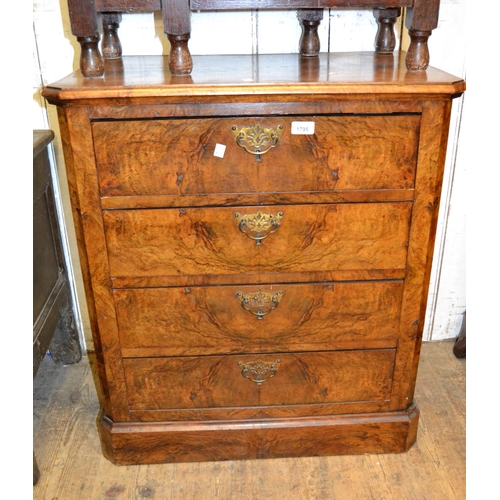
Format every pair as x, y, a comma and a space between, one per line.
170, 442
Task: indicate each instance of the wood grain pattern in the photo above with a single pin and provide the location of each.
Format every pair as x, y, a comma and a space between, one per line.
210, 320
243, 106
218, 200
208, 241
208, 441
65, 404
79, 160
146, 80
301, 378
176, 157
432, 153
259, 412
161, 273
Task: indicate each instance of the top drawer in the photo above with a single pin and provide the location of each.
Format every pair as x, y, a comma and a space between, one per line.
179, 156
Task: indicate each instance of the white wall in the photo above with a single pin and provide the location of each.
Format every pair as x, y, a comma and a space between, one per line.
56, 53
446, 302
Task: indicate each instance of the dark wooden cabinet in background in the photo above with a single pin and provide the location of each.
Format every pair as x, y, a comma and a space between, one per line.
256, 242
53, 322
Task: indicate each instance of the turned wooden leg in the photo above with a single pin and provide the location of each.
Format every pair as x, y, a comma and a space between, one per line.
83, 19
421, 19
111, 46
417, 57
310, 20
91, 61
385, 40
177, 25
179, 59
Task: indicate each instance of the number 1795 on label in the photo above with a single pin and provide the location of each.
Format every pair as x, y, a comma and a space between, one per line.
302, 128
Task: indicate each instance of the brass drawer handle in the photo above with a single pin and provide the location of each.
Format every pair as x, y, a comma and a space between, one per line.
259, 225
259, 303
259, 371
257, 140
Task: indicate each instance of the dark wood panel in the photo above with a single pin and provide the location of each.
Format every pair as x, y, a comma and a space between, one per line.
48, 262
127, 5
53, 323
155, 5
209, 320
294, 4
219, 381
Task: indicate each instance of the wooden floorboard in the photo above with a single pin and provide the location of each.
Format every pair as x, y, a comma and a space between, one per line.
68, 452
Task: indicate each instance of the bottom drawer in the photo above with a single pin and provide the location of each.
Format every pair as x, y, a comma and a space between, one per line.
259, 380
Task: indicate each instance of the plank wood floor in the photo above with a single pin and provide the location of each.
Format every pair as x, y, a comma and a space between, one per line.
72, 467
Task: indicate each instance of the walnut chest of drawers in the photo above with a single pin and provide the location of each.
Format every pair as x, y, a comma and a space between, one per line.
256, 241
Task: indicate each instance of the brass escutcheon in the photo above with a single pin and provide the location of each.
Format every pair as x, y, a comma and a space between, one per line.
259, 371
257, 140
259, 303
258, 226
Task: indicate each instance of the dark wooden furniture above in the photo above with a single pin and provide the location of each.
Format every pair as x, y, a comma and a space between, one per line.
421, 19
53, 323
256, 243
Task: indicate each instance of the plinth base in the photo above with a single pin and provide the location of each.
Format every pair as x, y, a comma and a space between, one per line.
170, 442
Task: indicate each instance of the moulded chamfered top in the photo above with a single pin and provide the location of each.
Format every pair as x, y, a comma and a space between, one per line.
218, 75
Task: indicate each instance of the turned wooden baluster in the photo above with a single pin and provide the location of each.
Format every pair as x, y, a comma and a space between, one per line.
83, 18
310, 20
111, 45
177, 26
385, 40
421, 19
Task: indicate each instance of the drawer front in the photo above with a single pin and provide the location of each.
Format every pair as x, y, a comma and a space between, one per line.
181, 156
174, 242
224, 319
259, 380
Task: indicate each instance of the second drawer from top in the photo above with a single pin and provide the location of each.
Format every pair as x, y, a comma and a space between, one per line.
251, 241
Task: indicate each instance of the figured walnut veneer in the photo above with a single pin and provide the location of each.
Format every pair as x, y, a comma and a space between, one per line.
333, 158
249, 307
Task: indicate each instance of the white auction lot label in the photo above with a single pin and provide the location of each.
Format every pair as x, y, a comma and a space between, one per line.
305, 128
220, 150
